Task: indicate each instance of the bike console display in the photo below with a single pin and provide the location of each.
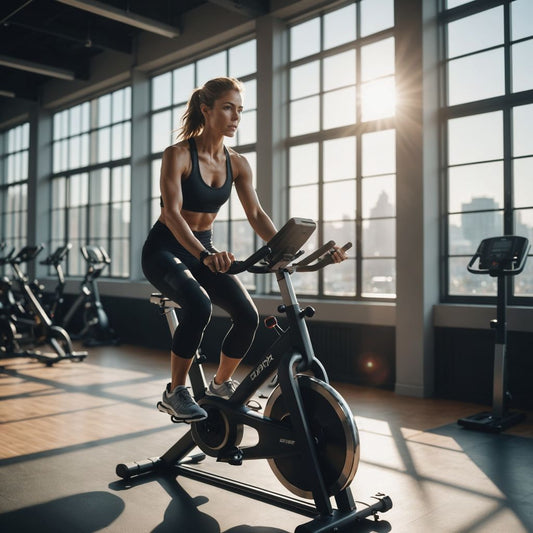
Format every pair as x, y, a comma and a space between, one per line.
500, 256
288, 241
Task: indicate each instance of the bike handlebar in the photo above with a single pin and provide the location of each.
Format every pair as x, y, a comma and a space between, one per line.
323, 254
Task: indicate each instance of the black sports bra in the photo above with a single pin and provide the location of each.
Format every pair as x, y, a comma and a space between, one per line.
197, 195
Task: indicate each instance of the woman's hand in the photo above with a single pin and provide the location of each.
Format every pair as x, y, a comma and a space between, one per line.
338, 254
219, 261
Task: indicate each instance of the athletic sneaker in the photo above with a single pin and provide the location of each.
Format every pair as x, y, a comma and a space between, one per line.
224, 390
180, 405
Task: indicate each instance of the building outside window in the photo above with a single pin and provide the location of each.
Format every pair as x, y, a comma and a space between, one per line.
170, 92
91, 180
14, 151
488, 125
341, 146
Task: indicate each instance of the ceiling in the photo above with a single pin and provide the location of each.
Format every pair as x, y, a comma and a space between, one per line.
42, 40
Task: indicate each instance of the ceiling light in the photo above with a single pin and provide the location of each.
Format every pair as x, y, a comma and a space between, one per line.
113, 13
37, 68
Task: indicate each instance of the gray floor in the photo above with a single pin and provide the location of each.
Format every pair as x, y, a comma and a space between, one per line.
441, 478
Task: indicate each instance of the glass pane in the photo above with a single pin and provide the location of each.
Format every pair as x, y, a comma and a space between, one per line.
379, 278
247, 132
379, 196
339, 70
155, 211
468, 183
339, 108
339, 280
304, 116
523, 226
303, 202
211, 67
99, 186
523, 130
161, 90
221, 235
522, 19
523, 182
467, 230
305, 39
522, 54
77, 223
156, 171
120, 184
376, 15
104, 145
84, 149
476, 77
161, 131
78, 193
523, 284
378, 99
242, 59
59, 197
379, 238
305, 80
75, 120
250, 95
339, 26
377, 59
104, 110
117, 99
339, 159
475, 138
237, 211
379, 153
120, 220
462, 282
120, 253
99, 221
339, 200
183, 84
303, 164
476, 32
58, 224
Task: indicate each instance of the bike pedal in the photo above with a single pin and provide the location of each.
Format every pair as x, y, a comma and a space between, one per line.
232, 456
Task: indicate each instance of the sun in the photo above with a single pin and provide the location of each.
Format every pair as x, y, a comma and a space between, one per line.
378, 99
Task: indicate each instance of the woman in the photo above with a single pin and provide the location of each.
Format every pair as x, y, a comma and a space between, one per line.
179, 259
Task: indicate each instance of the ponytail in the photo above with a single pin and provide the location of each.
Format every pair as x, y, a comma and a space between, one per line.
193, 120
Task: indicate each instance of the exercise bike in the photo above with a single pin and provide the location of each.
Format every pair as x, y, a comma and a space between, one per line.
54, 302
499, 257
307, 432
25, 323
96, 329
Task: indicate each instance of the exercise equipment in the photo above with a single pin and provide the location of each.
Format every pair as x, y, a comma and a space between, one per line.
54, 303
25, 323
499, 257
96, 329
307, 432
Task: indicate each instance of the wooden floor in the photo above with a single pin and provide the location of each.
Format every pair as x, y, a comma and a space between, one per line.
64, 428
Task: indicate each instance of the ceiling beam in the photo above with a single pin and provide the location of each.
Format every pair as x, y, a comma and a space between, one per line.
249, 8
126, 17
37, 68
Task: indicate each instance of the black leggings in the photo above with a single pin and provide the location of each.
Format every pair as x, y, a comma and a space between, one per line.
178, 275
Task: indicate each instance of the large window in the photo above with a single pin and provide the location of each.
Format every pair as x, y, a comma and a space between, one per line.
489, 136
91, 180
342, 156
170, 93
14, 149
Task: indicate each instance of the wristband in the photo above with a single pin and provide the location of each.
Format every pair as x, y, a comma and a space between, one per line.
203, 255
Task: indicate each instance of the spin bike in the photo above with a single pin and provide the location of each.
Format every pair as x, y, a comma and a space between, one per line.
27, 324
96, 330
307, 432
55, 259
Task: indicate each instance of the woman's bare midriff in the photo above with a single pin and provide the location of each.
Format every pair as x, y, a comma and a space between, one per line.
196, 221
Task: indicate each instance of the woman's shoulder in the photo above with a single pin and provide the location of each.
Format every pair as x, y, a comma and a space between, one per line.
239, 163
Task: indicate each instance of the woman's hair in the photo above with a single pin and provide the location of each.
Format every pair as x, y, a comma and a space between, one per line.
193, 119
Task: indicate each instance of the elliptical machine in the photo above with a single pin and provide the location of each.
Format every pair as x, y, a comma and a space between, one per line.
307, 432
27, 323
96, 330
499, 257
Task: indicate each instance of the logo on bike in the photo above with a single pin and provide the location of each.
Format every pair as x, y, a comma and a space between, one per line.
265, 363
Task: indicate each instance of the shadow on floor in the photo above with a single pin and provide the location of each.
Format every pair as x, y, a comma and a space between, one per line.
183, 513
83, 513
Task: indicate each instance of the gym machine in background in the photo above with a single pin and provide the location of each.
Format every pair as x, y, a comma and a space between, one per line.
499, 257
